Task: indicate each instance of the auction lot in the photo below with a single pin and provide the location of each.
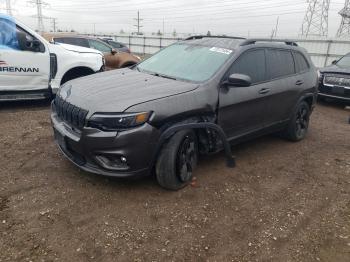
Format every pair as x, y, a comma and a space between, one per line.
283, 202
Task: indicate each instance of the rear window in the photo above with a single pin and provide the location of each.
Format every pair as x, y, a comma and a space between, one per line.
301, 65
280, 63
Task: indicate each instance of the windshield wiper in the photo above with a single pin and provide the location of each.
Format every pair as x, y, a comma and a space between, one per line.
164, 76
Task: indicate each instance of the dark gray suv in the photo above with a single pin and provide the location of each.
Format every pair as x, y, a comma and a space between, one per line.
197, 96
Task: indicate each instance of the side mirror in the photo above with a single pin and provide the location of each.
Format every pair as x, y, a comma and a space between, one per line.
238, 80
113, 51
334, 62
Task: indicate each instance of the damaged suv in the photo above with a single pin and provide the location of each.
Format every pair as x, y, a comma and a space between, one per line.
197, 96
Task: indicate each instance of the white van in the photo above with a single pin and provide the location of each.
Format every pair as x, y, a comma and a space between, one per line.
32, 68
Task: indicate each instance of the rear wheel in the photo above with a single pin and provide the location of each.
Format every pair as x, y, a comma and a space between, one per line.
299, 123
177, 160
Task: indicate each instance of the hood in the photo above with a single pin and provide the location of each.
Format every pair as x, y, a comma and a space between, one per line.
78, 49
335, 69
117, 90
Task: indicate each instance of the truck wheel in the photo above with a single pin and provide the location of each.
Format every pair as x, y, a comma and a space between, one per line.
299, 123
177, 160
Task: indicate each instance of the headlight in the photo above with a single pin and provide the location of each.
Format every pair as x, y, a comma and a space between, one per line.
115, 122
320, 76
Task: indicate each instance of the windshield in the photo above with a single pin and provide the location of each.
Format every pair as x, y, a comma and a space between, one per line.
186, 62
344, 61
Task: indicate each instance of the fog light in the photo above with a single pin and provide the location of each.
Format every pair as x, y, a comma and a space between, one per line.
113, 162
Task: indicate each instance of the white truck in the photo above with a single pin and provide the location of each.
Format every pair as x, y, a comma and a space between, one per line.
33, 68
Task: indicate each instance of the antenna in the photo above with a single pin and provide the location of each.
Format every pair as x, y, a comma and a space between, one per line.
344, 28
138, 20
315, 22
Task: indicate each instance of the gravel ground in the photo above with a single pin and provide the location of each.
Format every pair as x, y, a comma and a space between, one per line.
283, 202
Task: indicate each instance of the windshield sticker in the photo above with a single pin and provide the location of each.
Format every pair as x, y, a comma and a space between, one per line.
221, 50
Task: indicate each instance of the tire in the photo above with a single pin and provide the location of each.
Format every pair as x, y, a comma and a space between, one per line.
299, 123
177, 160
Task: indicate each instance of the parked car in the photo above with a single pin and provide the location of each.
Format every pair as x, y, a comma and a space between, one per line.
32, 68
335, 80
117, 45
114, 58
194, 97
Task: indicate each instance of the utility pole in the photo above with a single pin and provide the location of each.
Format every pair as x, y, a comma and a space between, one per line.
276, 28
8, 7
54, 23
39, 4
138, 20
344, 28
316, 18
163, 26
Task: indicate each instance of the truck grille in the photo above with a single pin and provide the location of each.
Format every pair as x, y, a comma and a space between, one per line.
337, 81
69, 113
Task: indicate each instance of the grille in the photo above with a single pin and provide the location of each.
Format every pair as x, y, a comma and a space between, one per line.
69, 113
337, 81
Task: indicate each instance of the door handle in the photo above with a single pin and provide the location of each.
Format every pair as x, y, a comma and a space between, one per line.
264, 91
299, 82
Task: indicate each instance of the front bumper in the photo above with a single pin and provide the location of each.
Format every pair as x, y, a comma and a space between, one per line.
341, 93
85, 148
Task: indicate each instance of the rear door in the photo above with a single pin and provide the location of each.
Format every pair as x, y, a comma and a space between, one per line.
243, 109
21, 70
284, 85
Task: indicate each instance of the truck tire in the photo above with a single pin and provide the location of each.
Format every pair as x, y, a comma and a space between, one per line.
177, 160
299, 123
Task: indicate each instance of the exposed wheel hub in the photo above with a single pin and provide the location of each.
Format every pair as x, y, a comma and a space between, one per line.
186, 159
302, 121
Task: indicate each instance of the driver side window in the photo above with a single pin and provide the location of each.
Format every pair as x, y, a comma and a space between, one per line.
251, 63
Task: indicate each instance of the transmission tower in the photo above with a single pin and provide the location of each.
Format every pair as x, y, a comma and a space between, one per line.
138, 20
344, 28
315, 22
39, 5
8, 7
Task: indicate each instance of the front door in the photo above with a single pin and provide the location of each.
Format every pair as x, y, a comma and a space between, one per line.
21, 69
242, 109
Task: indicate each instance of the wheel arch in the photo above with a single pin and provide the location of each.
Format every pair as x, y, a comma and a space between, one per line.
76, 72
169, 131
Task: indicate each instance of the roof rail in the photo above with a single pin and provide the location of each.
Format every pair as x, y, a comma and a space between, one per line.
253, 41
194, 37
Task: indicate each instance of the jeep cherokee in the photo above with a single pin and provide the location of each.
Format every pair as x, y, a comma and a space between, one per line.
197, 96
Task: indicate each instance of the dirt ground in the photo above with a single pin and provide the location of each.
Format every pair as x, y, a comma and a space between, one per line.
283, 202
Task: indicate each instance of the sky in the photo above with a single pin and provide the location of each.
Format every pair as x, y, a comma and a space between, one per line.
247, 18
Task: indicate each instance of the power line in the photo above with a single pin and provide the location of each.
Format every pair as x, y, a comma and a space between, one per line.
161, 11
344, 28
316, 18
